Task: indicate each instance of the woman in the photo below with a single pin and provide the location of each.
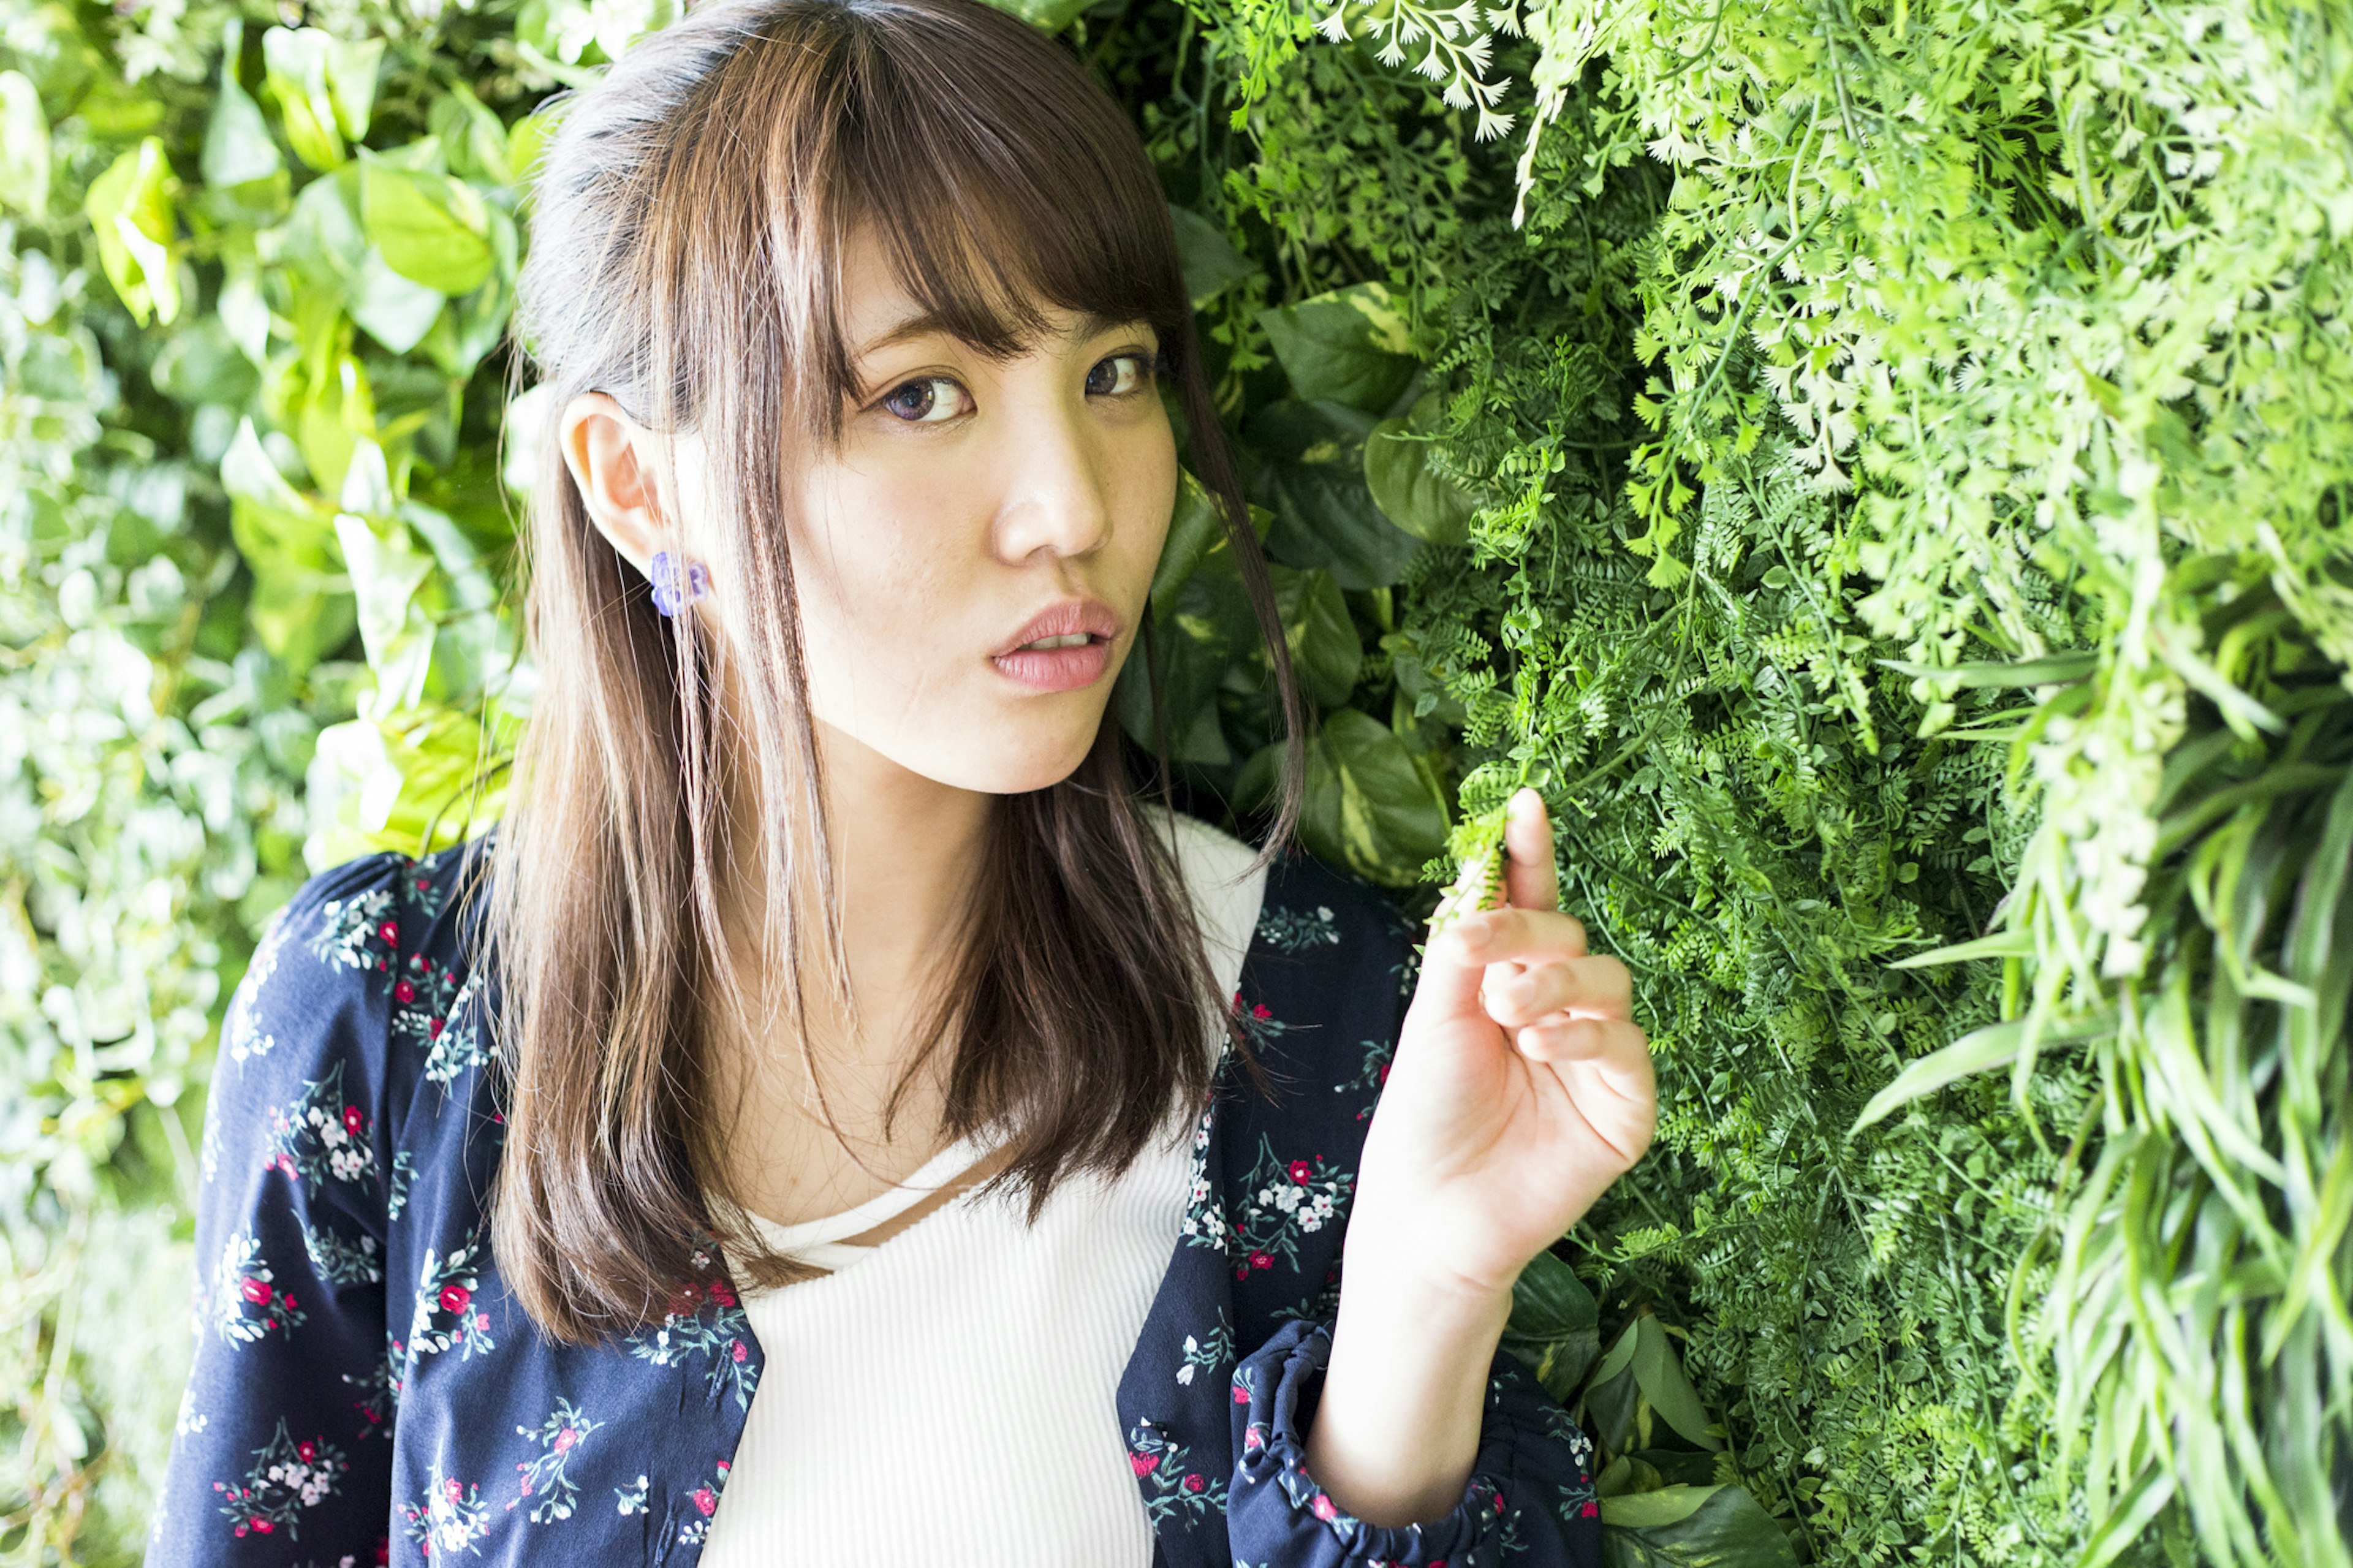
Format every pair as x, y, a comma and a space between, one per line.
833, 1091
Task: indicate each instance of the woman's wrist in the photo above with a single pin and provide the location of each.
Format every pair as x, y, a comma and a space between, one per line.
1397, 1427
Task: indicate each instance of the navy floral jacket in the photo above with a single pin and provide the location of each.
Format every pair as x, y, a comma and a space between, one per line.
365, 1390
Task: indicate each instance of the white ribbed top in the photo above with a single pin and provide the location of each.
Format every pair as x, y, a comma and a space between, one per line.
948, 1394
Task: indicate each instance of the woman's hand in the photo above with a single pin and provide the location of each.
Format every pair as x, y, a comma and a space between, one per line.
1520, 1091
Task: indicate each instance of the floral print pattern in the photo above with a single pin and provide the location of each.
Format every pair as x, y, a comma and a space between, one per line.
352, 1294
287, 1478
547, 1485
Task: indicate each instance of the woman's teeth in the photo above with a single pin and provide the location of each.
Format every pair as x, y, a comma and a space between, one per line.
1070, 639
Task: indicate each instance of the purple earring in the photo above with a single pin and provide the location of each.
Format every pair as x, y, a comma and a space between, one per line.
671, 594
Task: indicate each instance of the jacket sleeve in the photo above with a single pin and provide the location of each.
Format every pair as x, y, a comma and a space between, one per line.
1529, 1500
282, 1451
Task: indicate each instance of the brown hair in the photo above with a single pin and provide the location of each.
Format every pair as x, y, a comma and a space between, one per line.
686, 226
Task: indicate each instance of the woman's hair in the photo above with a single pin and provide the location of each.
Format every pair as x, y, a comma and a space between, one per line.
687, 225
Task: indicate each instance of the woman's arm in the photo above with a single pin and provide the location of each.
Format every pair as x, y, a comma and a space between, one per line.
282, 1451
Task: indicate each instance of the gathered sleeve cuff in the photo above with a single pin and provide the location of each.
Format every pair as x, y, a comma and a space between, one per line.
1530, 1497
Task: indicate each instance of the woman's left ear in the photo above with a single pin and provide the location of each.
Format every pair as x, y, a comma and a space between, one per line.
616, 463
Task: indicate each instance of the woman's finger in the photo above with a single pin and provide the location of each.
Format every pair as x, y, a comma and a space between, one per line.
1497, 936
1618, 1047
1595, 987
1531, 881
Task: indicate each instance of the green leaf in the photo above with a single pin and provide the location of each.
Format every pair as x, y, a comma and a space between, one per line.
129, 207
2054, 671
1349, 346
1659, 1372
1397, 473
1368, 808
202, 363
1692, 1527
433, 228
1321, 637
1311, 474
1554, 1325
1975, 1052
326, 89
238, 148
301, 607
24, 146
1211, 263
1046, 16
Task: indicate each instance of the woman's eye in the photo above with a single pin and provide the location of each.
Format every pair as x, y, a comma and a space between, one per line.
1119, 374
928, 400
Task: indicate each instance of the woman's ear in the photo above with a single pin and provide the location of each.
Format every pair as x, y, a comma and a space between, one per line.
617, 462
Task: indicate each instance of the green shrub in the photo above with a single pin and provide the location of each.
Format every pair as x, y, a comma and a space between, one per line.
1879, 470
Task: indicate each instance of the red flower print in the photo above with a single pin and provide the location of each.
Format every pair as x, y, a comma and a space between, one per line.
1261, 1260
723, 1468
353, 1120
1252, 1438
240, 1530
256, 1291
566, 1438
1194, 1483
450, 1488
1262, 1011
290, 1302
482, 1321
263, 1526
1301, 1171
1385, 1072
455, 1298
1144, 1464
306, 1452
388, 930
1321, 1508
404, 992
1591, 1508
433, 1028
706, 1501
737, 1354
1241, 1394
721, 1293
1243, 1272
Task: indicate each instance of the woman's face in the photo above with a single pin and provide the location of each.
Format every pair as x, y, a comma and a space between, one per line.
973, 558
968, 498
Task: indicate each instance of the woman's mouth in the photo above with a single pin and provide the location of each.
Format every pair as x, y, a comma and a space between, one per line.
1062, 663
1061, 648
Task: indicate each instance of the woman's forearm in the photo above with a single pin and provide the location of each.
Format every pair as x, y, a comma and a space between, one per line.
1397, 1427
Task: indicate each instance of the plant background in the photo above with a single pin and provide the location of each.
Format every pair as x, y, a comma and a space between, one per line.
1880, 469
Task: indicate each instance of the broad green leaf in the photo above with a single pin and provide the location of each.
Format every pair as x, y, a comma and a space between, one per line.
1211, 263
295, 61
387, 571
1046, 16
433, 229
1312, 476
1194, 531
2056, 668
1692, 1527
238, 148
1349, 346
1368, 808
1325, 649
1658, 1372
130, 209
1554, 1325
397, 312
1397, 472
477, 139
24, 146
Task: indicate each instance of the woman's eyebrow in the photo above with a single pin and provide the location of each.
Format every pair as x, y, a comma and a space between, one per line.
923, 323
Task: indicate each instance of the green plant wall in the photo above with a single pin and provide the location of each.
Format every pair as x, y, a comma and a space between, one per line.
1881, 470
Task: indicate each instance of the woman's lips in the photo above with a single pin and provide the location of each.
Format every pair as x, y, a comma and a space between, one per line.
1057, 669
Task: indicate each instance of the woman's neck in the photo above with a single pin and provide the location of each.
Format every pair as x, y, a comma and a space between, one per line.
906, 850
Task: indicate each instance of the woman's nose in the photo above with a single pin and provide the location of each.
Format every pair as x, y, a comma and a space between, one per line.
1055, 496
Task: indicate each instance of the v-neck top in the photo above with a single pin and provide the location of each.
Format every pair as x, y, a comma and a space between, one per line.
974, 1343
365, 1385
